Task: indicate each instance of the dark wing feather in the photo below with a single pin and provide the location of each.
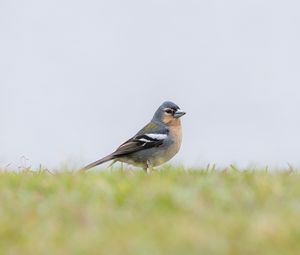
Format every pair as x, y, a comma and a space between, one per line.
139, 142
135, 144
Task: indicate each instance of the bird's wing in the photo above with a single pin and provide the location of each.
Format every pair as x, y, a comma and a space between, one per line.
150, 136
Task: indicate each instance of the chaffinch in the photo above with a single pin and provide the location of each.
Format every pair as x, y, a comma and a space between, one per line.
155, 144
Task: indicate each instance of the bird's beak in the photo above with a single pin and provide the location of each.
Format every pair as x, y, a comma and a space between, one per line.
178, 114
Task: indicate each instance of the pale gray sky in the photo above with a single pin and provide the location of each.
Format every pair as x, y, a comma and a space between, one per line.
80, 77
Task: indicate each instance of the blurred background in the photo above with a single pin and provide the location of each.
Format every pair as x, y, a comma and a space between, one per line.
80, 77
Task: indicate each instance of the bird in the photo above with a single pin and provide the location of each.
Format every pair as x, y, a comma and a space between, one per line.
153, 145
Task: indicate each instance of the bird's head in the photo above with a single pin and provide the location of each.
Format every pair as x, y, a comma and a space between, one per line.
168, 113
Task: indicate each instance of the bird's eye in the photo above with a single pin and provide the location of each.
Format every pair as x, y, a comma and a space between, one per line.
169, 111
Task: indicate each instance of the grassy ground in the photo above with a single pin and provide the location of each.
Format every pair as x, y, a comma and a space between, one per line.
168, 212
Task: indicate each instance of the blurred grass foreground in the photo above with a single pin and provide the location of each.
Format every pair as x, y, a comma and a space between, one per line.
173, 211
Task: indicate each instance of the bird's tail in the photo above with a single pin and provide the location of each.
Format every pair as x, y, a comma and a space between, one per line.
98, 162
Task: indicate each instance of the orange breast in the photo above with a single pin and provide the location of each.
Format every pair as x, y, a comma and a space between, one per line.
176, 133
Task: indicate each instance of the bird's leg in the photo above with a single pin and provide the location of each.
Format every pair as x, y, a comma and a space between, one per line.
145, 168
122, 166
111, 165
149, 168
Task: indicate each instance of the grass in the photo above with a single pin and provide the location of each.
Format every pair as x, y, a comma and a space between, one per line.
169, 212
